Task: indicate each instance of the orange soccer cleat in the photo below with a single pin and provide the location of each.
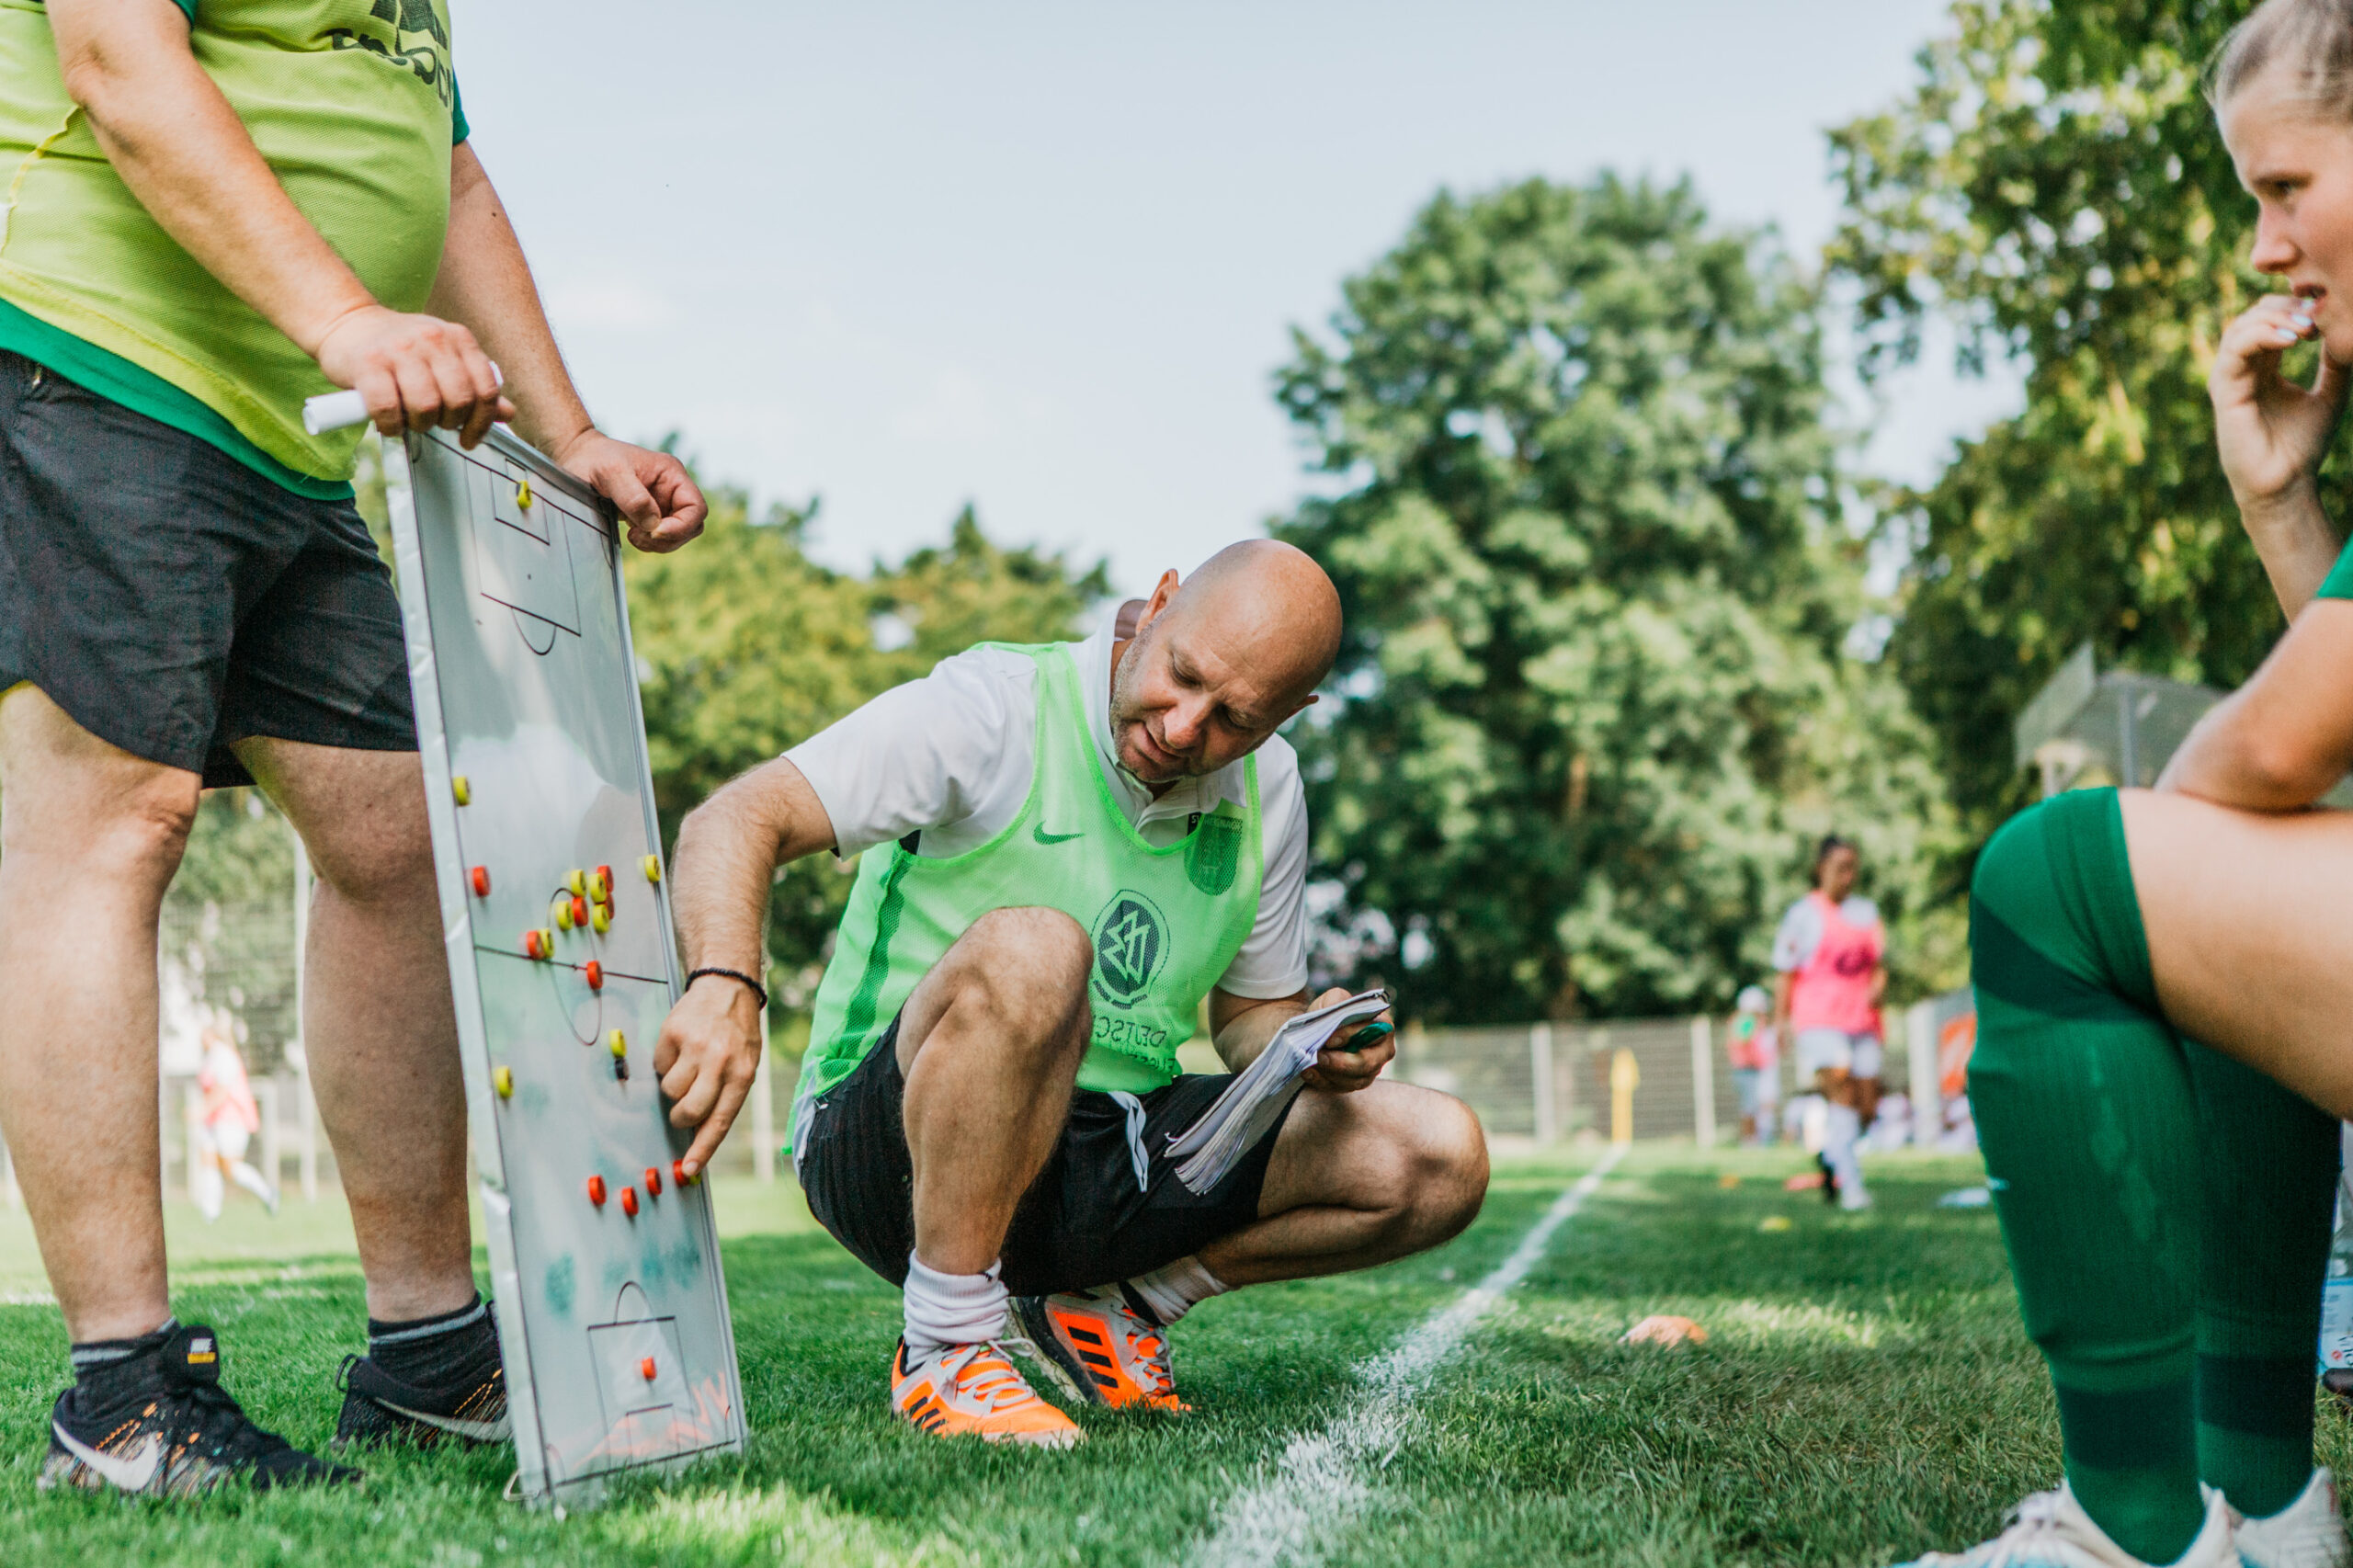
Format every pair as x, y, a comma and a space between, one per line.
1106, 1345
960, 1391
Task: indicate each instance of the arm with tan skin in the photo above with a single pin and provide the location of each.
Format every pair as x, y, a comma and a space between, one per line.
1242, 1027
183, 152
2285, 738
180, 148
484, 279
729, 849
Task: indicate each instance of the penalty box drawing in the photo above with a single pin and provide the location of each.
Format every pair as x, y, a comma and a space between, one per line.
604, 1261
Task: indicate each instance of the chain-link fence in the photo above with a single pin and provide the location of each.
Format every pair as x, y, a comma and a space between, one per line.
1645, 1078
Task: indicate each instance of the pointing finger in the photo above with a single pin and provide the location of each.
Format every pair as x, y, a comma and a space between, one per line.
715, 1127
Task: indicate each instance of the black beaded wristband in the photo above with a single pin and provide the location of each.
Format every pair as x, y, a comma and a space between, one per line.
758, 989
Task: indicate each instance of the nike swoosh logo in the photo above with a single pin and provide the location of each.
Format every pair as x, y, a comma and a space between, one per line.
480, 1431
133, 1473
1044, 837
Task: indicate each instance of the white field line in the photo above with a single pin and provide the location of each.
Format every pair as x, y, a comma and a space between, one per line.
1314, 1491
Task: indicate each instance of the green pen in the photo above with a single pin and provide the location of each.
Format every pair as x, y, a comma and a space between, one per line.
1380, 1029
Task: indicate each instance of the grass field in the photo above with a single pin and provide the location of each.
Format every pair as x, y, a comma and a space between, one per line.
1864, 1393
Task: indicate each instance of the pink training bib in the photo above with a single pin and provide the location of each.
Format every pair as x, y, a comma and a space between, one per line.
1833, 990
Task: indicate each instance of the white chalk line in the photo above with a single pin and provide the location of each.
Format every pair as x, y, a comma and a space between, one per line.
1315, 1489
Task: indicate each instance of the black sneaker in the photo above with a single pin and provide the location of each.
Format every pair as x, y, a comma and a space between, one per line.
172, 1432
380, 1408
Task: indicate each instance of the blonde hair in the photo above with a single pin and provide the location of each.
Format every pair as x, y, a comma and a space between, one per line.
2312, 39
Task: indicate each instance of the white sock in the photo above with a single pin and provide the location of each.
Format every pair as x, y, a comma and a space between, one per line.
1838, 1147
952, 1309
1176, 1289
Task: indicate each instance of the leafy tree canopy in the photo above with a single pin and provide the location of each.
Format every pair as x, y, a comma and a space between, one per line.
1593, 699
2056, 185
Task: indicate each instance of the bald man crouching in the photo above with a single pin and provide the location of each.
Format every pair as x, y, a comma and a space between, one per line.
1066, 849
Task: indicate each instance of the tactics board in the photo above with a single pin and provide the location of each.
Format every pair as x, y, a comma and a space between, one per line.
604, 1264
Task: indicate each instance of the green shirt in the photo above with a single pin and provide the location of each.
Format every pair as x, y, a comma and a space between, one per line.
353, 104
1166, 921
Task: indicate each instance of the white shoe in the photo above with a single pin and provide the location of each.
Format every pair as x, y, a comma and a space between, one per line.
2307, 1533
2052, 1531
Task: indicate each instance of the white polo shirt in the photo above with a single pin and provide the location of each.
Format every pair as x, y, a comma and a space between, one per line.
950, 757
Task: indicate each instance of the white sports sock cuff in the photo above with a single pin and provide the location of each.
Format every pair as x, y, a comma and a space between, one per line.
952, 1308
1177, 1288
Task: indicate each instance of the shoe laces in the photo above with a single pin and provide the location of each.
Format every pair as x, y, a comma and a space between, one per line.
220, 1427
984, 1374
2035, 1522
1147, 1345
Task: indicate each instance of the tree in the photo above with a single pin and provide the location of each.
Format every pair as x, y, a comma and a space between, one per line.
2055, 184
1594, 698
747, 647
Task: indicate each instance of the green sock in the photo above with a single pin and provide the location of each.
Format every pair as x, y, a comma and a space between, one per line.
2083, 1099
2269, 1162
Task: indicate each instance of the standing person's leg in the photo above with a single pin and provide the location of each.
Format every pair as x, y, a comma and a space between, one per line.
89, 838
383, 1040
316, 708
379, 1027
130, 554
1828, 1055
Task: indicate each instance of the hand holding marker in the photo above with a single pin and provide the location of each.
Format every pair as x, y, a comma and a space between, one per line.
342, 410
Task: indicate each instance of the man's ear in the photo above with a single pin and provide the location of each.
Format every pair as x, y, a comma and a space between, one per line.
1162, 592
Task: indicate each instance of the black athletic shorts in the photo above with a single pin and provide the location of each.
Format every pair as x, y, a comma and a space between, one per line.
1091, 1218
173, 601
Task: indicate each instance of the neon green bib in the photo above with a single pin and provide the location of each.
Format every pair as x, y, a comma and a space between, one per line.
352, 104
1167, 922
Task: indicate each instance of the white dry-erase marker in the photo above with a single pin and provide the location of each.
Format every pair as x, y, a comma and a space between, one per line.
342, 410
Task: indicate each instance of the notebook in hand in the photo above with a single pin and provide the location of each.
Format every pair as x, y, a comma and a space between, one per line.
1240, 1116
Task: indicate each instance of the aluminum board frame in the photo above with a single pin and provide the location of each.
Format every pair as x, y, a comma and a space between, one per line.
486, 542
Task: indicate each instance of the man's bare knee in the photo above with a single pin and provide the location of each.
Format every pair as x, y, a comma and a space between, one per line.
1016, 978
1024, 961
380, 853
1449, 1157
121, 830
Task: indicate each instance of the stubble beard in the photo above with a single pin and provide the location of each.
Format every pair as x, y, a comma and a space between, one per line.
1126, 712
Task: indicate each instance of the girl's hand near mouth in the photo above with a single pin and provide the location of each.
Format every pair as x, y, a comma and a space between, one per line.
2272, 435
2272, 432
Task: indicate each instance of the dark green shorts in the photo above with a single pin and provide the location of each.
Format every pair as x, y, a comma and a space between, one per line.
173, 601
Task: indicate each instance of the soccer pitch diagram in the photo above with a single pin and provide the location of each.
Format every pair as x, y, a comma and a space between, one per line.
605, 1264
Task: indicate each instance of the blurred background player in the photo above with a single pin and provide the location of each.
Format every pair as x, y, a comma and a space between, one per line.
228, 1120
2162, 975
1755, 1052
215, 212
1831, 955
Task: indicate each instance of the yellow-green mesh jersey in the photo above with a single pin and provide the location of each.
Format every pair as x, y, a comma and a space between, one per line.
353, 106
1165, 921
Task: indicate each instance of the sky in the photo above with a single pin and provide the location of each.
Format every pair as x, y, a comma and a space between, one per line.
1045, 257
